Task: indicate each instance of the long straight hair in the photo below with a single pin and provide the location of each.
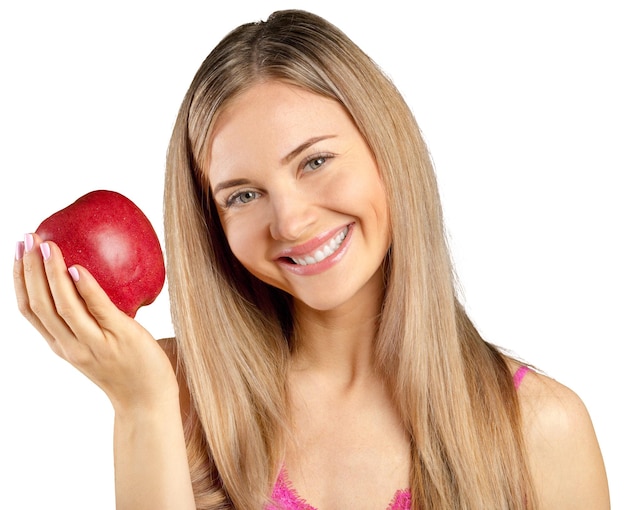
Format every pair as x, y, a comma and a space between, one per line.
453, 390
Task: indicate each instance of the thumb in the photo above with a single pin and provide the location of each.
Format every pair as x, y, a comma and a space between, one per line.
100, 306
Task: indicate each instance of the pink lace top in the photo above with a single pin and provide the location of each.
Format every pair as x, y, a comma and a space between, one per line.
285, 497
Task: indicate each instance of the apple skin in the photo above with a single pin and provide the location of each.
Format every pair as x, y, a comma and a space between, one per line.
111, 237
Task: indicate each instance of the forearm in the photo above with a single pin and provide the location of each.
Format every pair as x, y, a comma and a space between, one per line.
151, 468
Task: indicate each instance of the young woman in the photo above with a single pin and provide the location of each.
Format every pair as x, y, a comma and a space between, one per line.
322, 358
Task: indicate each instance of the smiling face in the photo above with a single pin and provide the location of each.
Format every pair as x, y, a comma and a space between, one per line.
299, 195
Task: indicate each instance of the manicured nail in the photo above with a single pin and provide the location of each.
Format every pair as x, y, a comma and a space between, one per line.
28, 242
19, 250
45, 250
74, 273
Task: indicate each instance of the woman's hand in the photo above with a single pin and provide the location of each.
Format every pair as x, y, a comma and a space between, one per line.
83, 326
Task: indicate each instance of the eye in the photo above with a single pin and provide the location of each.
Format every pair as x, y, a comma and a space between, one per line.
317, 161
241, 198
314, 164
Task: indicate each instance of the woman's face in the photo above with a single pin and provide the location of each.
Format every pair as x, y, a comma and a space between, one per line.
299, 195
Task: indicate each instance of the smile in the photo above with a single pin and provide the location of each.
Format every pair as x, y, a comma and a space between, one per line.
323, 252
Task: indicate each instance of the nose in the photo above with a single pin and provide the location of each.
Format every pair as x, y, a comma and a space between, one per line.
292, 215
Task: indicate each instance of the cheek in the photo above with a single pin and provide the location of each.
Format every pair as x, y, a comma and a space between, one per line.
378, 206
242, 239
381, 205
369, 196
376, 190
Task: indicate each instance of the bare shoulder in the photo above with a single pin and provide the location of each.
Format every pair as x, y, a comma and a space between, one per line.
563, 450
170, 348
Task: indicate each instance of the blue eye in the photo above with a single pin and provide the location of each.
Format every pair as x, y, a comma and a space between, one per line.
317, 162
314, 164
241, 198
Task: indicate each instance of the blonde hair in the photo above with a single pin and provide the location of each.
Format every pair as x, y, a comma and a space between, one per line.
454, 391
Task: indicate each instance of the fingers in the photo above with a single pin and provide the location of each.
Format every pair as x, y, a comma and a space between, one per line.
62, 303
105, 314
48, 298
33, 295
69, 307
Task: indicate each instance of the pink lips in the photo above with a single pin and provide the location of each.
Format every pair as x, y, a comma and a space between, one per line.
285, 257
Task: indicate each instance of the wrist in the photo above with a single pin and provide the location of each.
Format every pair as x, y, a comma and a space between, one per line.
155, 404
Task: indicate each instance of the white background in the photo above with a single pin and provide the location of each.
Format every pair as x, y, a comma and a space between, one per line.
522, 105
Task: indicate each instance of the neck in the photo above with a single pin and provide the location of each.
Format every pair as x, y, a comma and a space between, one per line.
338, 344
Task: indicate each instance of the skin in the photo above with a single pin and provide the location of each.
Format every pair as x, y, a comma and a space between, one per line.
288, 168
346, 430
348, 448
565, 457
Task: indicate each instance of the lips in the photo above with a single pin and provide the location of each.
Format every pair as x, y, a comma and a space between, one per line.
323, 252
317, 252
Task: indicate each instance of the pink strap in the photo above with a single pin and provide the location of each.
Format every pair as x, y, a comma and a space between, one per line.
518, 377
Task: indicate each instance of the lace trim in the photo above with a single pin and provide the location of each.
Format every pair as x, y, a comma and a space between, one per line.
285, 497
401, 500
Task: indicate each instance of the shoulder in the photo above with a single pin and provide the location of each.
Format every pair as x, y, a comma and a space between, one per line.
564, 455
171, 349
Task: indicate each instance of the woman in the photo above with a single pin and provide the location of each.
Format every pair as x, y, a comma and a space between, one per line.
321, 355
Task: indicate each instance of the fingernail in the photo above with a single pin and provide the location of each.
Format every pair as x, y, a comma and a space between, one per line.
45, 250
19, 250
73, 273
28, 242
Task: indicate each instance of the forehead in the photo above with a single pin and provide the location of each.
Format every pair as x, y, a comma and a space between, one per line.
267, 121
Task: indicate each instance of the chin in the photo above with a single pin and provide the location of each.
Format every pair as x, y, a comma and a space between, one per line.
326, 302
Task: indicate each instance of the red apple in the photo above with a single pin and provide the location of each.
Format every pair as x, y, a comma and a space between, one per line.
111, 237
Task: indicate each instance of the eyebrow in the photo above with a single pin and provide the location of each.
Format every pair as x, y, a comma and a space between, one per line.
289, 157
230, 184
304, 146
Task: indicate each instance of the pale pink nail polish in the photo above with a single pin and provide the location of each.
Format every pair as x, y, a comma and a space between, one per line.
28, 242
45, 250
19, 250
74, 273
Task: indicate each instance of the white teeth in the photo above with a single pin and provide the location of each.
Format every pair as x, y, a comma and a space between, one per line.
324, 252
